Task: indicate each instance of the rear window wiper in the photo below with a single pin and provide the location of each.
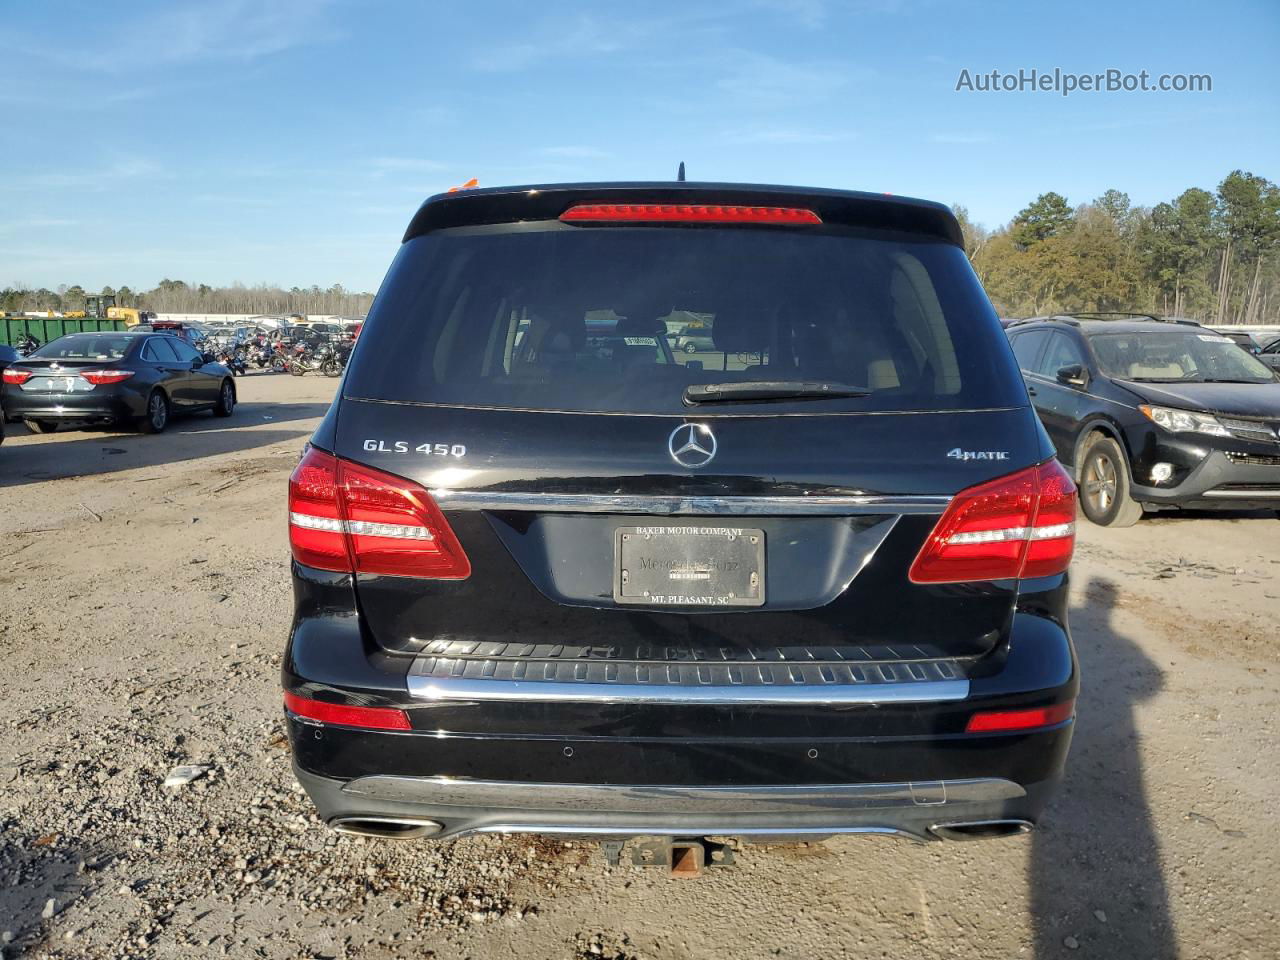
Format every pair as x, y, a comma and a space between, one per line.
747, 390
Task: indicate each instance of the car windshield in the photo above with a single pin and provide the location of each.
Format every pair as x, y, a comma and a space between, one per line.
624, 320
85, 346
1176, 356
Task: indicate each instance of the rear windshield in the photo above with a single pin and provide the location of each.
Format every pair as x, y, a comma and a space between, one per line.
90, 346
1176, 356
552, 317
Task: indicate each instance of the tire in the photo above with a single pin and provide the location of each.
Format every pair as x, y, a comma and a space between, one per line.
157, 416
297, 369
1105, 485
278, 366
226, 404
331, 368
689, 348
41, 426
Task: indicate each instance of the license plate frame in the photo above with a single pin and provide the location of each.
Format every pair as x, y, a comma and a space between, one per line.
681, 565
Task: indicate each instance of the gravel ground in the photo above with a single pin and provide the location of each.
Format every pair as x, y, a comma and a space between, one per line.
144, 602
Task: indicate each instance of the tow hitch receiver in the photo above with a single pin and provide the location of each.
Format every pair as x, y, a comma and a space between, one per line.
682, 857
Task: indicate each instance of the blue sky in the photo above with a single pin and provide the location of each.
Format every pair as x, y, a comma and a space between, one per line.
290, 142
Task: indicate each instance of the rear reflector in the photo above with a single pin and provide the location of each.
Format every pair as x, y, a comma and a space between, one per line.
347, 517
99, 377
1022, 525
1003, 721
341, 715
685, 213
17, 377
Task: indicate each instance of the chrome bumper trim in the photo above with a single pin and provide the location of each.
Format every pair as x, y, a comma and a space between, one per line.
438, 689
1242, 494
505, 799
688, 506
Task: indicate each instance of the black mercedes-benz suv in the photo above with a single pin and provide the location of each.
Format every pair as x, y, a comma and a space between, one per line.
1151, 413
553, 576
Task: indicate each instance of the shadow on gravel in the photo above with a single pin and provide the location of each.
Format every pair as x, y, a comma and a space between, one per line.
46, 868
1097, 882
94, 451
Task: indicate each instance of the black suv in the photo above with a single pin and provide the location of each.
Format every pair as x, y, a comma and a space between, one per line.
1151, 411
552, 576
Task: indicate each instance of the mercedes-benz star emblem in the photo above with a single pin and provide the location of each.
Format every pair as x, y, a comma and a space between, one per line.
692, 445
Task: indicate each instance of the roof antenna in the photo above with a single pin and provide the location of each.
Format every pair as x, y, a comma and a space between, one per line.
680, 172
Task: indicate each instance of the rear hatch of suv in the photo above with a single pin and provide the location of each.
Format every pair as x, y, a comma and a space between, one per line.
544, 489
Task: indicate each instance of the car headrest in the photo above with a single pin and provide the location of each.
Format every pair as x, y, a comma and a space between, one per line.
743, 331
559, 335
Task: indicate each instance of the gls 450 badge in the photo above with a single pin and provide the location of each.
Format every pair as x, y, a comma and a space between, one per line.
455, 450
958, 454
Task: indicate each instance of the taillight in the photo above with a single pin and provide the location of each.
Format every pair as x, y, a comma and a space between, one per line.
341, 715
99, 377
1006, 721
1022, 525
347, 517
15, 376
685, 213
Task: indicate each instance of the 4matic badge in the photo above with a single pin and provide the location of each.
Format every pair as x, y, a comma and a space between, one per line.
958, 454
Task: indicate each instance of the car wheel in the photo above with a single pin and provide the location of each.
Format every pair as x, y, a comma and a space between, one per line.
331, 368
226, 404
41, 426
1105, 485
690, 348
157, 416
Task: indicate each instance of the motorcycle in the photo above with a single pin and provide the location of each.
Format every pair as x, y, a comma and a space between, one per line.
322, 358
26, 345
233, 360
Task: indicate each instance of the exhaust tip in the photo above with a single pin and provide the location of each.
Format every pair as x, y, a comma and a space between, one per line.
387, 828
980, 829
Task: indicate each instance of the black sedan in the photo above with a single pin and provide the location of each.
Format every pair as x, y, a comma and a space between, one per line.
8, 355
108, 377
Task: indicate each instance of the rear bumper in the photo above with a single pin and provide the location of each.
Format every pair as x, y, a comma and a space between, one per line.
97, 404
852, 761
906, 809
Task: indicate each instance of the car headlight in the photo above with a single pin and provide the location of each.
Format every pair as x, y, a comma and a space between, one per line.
1184, 421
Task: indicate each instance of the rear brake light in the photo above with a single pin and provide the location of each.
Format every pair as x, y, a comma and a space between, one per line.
1004, 721
1022, 525
17, 377
347, 517
341, 715
99, 377
684, 213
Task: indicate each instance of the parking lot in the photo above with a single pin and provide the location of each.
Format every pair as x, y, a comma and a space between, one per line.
144, 603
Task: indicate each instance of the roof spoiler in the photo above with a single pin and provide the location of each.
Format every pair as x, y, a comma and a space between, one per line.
841, 207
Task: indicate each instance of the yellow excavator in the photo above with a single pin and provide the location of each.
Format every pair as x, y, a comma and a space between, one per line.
102, 306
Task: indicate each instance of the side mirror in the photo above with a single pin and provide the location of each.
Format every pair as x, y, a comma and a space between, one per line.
1073, 375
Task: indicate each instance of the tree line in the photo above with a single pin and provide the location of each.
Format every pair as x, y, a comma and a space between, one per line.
1213, 257
177, 296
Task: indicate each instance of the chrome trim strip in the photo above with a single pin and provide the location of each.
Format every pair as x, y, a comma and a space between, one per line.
507, 797
711, 829
695, 506
1243, 494
446, 689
